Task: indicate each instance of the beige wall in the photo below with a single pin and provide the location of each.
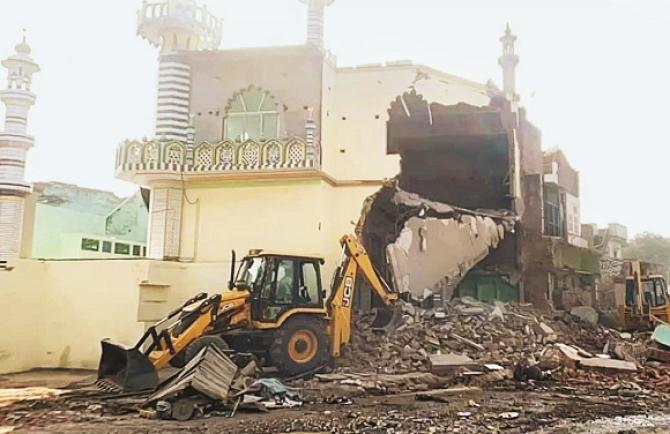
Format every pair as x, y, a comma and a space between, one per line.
301, 216
354, 140
56, 312
291, 74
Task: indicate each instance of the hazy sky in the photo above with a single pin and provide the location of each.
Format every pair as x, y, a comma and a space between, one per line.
593, 75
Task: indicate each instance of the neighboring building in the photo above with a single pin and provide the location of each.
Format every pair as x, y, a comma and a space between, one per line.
572, 266
72, 222
611, 240
14, 145
561, 199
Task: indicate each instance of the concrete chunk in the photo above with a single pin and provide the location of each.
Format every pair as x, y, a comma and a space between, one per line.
441, 364
585, 313
608, 364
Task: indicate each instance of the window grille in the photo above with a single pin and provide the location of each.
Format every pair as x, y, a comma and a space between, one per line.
252, 115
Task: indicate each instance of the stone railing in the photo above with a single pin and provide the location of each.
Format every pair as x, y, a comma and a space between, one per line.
158, 14
227, 156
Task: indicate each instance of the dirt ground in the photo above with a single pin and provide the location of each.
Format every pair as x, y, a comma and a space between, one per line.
537, 408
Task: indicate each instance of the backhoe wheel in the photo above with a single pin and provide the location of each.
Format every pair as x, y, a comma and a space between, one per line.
300, 345
194, 347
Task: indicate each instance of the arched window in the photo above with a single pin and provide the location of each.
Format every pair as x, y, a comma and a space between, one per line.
252, 115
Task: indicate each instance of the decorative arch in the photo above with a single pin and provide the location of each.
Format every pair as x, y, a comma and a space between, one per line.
250, 154
251, 114
204, 155
225, 154
296, 152
175, 153
133, 153
272, 153
150, 153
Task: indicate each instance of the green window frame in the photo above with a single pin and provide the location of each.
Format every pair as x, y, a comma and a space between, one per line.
90, 244
122, 249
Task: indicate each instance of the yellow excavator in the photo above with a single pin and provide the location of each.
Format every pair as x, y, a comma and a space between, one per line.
646, 299
275, 309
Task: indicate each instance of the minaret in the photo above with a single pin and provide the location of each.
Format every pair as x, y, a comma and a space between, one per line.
174, 26
508, 61
315, 18
14, 144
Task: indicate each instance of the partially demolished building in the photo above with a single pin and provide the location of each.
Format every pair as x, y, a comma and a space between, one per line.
478, 209
455, 199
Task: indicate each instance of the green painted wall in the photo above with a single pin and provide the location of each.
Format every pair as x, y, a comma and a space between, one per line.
487, 287
60, 227
52, 223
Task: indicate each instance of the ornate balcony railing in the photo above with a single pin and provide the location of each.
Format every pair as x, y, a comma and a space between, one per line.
153, 156
157, 15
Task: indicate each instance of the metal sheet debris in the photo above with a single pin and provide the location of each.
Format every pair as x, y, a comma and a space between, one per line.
210, 373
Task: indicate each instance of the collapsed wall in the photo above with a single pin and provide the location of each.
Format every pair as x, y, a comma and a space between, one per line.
454, 201
424, 248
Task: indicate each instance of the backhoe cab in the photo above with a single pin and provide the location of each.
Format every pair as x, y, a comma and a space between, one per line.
275, 309
646, 298
278, 283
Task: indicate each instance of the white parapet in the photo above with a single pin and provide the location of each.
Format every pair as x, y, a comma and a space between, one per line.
179, 24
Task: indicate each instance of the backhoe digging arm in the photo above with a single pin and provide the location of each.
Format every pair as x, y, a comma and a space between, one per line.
354, 259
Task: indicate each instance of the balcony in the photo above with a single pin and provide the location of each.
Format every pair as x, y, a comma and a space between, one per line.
155, 16
153, 159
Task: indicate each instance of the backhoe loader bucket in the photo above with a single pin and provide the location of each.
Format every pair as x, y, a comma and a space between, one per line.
125, 368
387, 319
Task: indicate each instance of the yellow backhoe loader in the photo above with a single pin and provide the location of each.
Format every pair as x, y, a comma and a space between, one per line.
275, 309
646, 299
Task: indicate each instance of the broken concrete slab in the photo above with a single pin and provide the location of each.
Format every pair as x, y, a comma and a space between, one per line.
427, 245
441, 364
547, 333
466, 341
570, 355
493, 367
585, 313
608, 364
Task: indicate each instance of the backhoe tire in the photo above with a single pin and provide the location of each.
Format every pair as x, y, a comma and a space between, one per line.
300, 345
194, 347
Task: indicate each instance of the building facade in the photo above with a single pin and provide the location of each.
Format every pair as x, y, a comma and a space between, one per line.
265, 147
71, 222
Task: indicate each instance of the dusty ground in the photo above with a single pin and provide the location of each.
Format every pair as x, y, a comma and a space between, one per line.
540, 408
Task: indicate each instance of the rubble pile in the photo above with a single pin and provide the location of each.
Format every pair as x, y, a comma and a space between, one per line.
212, 383
500, 341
